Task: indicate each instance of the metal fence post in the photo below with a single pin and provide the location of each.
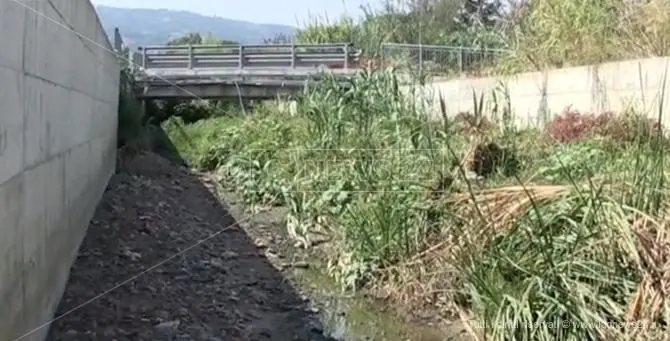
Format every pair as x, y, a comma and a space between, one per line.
293, 56
190, 56
420, 57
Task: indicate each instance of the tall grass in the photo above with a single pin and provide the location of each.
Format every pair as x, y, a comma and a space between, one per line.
555, 33
572, 252
539, 35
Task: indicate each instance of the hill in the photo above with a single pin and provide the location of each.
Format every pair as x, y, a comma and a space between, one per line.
157, 26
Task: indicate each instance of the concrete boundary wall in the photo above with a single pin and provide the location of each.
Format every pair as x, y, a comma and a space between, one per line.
58, 122
536, 96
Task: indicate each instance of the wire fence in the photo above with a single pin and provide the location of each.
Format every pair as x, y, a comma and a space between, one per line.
439, 60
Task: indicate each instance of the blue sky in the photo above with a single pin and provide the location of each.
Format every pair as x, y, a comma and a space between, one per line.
289, 12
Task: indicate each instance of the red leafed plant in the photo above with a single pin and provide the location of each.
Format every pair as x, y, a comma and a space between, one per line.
571, 125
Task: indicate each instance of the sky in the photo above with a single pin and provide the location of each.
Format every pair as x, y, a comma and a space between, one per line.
287, 12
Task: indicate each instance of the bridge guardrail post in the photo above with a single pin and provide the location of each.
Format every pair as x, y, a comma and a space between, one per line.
240, 62
293, 56
190, 56
136, 60
346, 57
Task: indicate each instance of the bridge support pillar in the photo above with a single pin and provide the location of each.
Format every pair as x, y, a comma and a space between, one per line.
145, 109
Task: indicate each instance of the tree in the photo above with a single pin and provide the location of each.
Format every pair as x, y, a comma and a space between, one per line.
429, 22
485, 13
414, 21
211, 39
186, 108
195, 38
278, 39
187, 39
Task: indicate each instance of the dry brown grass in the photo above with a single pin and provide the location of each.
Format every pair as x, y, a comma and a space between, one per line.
434, 280
653, 250
497, 208
562, 33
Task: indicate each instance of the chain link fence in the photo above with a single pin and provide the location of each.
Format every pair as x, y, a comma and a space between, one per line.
442, 61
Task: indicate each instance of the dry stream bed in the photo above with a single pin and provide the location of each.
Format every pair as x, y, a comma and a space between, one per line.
168, 256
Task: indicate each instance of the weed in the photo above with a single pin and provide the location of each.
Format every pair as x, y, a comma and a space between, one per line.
581, 238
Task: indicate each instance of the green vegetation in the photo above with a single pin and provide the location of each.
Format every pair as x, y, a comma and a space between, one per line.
466, 216
469, 217
536, 34
198, 39
527, 35
469, 23
553, 34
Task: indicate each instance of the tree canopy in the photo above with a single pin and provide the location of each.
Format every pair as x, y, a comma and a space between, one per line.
434, 22
194, 38
539, 33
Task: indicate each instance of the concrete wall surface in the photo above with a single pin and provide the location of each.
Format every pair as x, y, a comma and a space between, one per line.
595, 88
58, 121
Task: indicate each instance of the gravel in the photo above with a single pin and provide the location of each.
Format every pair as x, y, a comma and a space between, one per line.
164, 260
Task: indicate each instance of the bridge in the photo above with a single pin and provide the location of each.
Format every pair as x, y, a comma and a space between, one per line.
238, 71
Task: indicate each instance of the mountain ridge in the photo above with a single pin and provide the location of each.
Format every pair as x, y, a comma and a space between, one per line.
144, 26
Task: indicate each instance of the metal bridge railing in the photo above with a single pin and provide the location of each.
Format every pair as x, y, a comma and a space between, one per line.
334, 56
443, 60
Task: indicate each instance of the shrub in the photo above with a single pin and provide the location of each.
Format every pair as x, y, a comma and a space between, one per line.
571, 125
467, 123
631, 127
490, 157
575, 161
355, 163
628, 127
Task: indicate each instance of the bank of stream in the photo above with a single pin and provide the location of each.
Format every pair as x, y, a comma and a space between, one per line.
345, 316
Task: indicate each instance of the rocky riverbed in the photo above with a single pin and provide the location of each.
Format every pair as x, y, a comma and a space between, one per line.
169, 257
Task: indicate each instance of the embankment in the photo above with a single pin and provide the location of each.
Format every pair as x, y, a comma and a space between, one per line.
58, 122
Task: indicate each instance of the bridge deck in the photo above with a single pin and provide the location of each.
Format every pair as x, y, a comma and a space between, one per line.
216, 71
231, 73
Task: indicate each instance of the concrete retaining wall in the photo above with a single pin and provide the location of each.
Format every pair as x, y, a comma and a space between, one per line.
58, 121
595, 88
